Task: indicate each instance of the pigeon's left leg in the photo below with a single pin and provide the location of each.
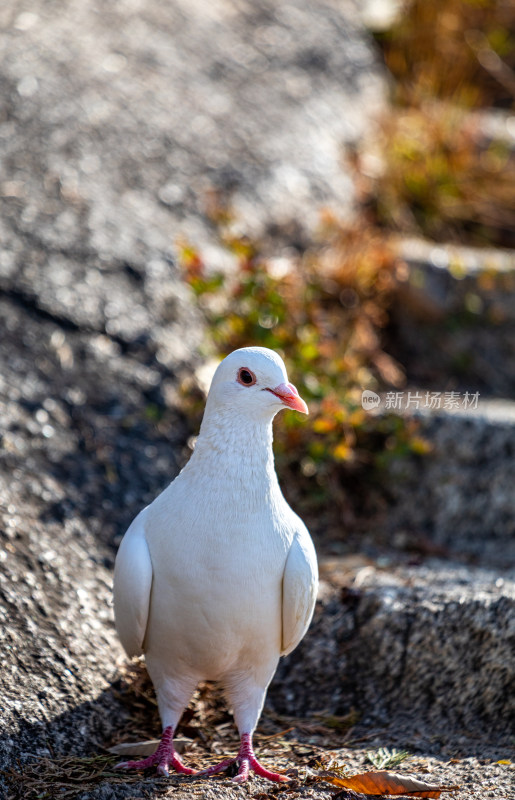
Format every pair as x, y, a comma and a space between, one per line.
246, 698
246, 761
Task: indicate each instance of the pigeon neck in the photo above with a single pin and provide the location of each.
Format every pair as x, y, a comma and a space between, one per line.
237, 449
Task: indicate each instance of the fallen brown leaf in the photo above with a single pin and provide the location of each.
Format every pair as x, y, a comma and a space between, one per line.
383, 783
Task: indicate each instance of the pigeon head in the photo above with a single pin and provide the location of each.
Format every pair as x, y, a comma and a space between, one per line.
253, 381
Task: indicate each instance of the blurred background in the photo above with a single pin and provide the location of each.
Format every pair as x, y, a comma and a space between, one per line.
334, 180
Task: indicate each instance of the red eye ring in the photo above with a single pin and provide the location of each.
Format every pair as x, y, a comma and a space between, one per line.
246, 377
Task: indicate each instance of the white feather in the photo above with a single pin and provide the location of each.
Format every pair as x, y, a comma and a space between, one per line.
132, 587
299, 591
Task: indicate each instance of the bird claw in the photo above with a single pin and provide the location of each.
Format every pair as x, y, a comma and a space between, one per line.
216, 768
166, 756
256, 767
245, 764
161, 759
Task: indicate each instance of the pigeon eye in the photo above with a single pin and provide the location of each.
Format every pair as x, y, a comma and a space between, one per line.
246, 377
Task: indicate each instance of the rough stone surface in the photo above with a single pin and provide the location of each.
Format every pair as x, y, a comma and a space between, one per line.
460, 496
428, 648
119, 120
453, 318
442, 639
86, 439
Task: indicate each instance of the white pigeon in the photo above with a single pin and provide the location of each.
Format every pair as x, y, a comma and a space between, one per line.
217, 578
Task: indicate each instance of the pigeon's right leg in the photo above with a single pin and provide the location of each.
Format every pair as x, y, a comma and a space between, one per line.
172, 698
164, 757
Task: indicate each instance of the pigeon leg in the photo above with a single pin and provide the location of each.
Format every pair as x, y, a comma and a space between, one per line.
247, 761
164, 756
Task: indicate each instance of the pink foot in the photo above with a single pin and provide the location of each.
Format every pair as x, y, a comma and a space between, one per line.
164, 756
253, 764
247, 761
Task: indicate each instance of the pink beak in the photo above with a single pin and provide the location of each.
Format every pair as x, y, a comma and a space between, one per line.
288, 394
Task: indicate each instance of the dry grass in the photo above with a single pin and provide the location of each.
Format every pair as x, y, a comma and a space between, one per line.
462, 51
435, 170
436, 174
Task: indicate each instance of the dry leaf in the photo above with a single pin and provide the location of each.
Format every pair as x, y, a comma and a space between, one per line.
385, 783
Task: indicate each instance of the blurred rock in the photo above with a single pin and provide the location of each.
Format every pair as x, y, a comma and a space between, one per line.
426, 649
453, 317
120, 121
460, 496
451, 278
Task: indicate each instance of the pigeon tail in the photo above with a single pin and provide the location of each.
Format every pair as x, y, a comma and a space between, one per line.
164, 756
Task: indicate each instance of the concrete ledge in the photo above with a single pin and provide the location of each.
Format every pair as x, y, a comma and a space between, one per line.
460, 496
433, 644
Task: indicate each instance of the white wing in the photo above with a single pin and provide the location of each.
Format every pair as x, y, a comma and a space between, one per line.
132, 586
300, 585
